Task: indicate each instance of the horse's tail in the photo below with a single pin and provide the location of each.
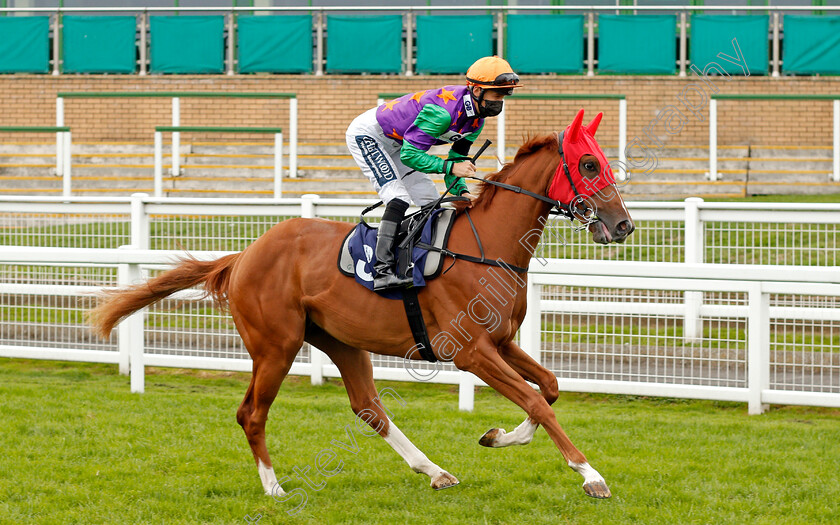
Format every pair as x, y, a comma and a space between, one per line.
114, 305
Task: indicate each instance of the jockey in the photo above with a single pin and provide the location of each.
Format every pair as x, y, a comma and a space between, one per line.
390, 143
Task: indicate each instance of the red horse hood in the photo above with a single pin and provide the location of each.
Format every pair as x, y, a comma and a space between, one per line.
579, 140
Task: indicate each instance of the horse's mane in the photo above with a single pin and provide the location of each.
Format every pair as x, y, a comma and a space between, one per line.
531, 146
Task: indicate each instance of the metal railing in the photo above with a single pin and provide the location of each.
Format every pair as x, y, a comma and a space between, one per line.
713, 121
176, 171
690, 330
63, 149
409, 12
176, 97
748, 366
796, 234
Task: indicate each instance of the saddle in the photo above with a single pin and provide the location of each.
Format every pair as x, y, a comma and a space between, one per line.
422, 240
356, 256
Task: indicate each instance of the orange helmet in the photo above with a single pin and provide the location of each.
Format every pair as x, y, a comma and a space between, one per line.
493, 73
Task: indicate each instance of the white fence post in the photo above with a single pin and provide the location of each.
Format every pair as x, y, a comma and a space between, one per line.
466, 391
836, 171
590, 44
123, 329
293, 136
622, 139
57, 44
317, 358
683, 61
136, 335
231, 42
319, 42
758, 347
130, 333
143, 51
278, 165
409, 43
694, 248
775, 60
140, 234
175, 170
713, 140
66, 161
500, 140
158, 164
530, 333
59, 137
500, 34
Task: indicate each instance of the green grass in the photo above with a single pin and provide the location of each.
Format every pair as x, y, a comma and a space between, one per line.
79, 448
822, 197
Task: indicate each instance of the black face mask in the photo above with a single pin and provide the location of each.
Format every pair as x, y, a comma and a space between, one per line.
492, 108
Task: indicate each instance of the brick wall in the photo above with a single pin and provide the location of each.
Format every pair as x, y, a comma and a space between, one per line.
327, 105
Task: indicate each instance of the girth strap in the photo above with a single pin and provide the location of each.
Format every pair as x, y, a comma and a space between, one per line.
417, 324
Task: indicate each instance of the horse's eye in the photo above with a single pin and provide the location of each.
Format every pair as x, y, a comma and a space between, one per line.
590, 166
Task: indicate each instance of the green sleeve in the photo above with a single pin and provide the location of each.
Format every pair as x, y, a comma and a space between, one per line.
419, 160
460, 186
434, 121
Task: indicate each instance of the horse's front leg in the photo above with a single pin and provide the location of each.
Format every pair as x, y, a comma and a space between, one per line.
485, 362
530, 370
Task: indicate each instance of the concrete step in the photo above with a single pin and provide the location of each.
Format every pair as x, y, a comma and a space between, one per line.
788, 178
681, 186
804, 188
147, 148
672, 164
27, 158
328, 169
34, 183
687, 176
788, 164
797, 152
32, 149
35, 170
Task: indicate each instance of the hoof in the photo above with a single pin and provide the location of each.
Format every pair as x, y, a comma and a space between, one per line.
597, 489
489, 437
444, 480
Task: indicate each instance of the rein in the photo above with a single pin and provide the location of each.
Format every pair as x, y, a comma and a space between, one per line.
557, 208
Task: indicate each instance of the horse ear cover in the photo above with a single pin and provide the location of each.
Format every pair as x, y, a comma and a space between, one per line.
578, 141
593, 126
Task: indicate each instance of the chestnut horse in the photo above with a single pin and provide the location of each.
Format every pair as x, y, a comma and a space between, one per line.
285, 289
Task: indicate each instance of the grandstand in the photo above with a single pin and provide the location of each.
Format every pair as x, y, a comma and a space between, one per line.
772, 66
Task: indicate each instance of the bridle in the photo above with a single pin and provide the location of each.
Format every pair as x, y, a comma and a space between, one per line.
574, 210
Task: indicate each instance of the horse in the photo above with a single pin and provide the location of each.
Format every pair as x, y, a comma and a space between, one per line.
285, 289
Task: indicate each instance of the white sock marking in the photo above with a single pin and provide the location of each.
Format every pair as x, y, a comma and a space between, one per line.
411, 454
269, 480
521, 435
584, 469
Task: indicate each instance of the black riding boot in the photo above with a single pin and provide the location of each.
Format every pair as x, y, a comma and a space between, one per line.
386, 264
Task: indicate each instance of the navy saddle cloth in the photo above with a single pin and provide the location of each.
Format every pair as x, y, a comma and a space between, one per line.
357, 255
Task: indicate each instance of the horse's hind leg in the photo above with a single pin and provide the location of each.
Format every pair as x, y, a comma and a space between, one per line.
272, 362
357, 373
530, 370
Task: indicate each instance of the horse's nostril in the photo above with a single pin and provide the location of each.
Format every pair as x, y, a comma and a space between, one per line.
625, 227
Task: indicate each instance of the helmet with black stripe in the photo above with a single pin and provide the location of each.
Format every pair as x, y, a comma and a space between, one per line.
493, 73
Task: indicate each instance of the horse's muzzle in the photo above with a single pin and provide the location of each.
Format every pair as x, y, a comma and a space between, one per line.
602, 234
